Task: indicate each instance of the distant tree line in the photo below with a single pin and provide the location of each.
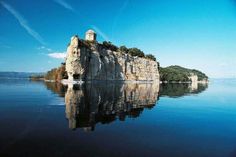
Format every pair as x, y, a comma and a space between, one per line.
36, 77
131, 51
110, 46
57, 74
136, 52
178, 73
180, 89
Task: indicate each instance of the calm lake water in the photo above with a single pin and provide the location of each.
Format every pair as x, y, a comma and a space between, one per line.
118, 120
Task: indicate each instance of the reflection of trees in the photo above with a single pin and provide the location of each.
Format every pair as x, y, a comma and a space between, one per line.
201, 88
58, 88
178, 90
93, 103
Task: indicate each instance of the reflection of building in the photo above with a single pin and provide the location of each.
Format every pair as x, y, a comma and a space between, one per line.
92, 103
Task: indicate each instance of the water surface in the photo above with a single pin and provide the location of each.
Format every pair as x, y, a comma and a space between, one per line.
146, 120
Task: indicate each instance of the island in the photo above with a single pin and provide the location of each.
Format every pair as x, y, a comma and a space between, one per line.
178, 74
89, 60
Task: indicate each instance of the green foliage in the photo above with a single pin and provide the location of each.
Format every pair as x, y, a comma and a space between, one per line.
201, 75
170, 75
180, 89
178, 73
124, 49
132, 51
136, 52
110, 46
174, 90
150, 56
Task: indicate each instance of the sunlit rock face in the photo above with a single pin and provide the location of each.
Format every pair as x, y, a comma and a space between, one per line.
193, 78
89, 60
74, 59
89, 104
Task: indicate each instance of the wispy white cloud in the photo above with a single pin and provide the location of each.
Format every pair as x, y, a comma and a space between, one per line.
51, 53
64, 4
102, 34
44, 48
117, 17
23, 22
58, 55
41, 48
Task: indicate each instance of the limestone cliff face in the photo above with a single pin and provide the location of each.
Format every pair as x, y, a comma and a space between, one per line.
89, 60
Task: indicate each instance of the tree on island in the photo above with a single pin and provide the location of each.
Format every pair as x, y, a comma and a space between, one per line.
110, 46
150, 56
180, 74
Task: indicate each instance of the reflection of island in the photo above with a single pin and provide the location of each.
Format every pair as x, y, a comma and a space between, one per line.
89, 104
58, 88
93, 103
178, 90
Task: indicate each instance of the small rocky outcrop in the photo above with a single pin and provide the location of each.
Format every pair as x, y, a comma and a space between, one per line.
90, 60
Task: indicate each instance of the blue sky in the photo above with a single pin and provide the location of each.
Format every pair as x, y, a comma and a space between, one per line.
198, 34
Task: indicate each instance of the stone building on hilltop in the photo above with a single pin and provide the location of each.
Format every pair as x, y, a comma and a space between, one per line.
95, 61
90, 35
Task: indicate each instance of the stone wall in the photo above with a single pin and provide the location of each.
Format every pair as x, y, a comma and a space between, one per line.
88, 60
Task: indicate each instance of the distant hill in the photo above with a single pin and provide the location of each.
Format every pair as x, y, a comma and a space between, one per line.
178, 73
12, 75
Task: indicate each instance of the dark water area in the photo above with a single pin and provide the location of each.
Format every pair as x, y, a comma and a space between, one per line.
119, 120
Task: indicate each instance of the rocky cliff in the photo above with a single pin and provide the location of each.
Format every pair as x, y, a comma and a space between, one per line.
90, 60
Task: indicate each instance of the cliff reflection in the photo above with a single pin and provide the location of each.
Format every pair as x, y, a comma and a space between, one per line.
179, 90
89, 104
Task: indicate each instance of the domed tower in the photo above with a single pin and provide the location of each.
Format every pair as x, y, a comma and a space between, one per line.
90, 35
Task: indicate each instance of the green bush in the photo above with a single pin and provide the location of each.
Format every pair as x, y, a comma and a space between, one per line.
150, 56
124, 49
136, 52
178, 73
201, 75
170, 75
110, 46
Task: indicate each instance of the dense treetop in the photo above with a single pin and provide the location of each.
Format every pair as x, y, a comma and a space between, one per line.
178, 73
136, 52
